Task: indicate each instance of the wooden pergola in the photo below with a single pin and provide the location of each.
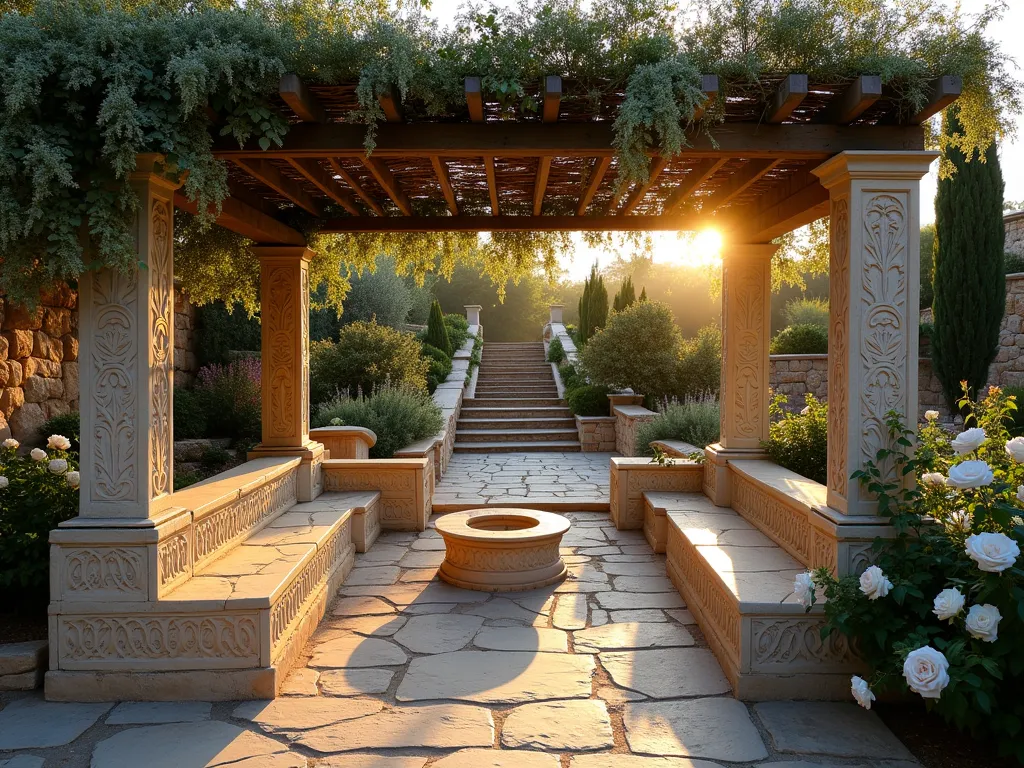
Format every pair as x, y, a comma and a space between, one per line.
557, 169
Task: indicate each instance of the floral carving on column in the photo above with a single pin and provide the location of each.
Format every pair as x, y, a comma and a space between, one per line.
883, 311
278, 315
838, 343
304, 363
161, 364
114, 404
748, 320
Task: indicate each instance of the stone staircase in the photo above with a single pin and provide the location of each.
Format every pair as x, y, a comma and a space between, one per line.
515, 406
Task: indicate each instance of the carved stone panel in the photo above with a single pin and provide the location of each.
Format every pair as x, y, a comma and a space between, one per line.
783, 646
103, 573
838, 344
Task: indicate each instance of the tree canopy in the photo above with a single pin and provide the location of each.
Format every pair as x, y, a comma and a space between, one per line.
88, 86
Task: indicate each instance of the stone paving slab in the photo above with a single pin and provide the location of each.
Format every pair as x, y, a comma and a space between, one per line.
714, 729
494, 758
158, 712
667, 673
33, 723
828, 728
443, 726
574, 726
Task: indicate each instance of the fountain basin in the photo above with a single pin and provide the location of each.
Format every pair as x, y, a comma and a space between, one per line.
502, 550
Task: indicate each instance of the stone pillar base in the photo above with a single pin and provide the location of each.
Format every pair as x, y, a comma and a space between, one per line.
310, 481
717, 483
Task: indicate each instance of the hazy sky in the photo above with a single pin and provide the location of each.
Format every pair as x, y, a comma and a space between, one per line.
1008, 32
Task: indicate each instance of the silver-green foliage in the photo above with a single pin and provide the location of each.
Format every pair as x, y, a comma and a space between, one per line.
695, 420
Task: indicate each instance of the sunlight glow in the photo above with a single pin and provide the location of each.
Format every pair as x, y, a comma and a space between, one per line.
694, 250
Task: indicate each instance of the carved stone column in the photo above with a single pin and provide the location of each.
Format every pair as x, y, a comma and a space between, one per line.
873, 308
126, 333
746, 332
284, 317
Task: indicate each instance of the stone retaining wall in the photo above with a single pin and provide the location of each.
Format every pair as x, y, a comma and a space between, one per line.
1014, 224
39, 359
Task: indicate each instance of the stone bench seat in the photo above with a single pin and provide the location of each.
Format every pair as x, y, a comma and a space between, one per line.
657, 505
739, 586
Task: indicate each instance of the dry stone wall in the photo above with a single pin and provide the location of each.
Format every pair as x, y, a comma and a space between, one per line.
39, 359
1014, 224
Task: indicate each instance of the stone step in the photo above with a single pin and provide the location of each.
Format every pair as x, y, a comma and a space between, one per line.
513, 402
517, 422
525, 447
554, 412
738, 584
509, 390
491, 373
514, 435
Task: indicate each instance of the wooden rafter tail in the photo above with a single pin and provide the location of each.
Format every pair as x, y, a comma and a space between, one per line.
388, 183
441, 170
858, 97
475, 99
657, 166
751, 171
513, 223
349, 179
540, 184
790, 94
247, 221
301, 100
597, 174
322, 180
943, 92
710, 87
492, 185
798, 200
391, 103
268, 174
552, 98
700, 173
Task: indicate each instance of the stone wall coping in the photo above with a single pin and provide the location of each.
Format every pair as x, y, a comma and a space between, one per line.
370, 437
632, 411
446, 399
809, 356
404, 463
627, 463
215, 492
420, 447
595, 419
679, 448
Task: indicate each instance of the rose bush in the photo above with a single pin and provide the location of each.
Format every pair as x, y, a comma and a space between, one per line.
941, 610
37, 492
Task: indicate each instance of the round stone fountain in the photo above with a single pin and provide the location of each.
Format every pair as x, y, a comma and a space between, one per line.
502, 550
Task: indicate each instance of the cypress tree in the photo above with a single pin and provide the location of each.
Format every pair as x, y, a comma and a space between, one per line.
437, 332
625, 296
593, 305
643, 294
969, 279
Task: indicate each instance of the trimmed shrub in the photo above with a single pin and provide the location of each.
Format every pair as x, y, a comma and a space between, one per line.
800, 340
805, 311
695, 421
397, 415
639, 348
556, 353
700, 364
569, 375
67, 424
797, 440
588, 400
437, 373
458, 330
365, 357
232, 398
190, 410
436, 334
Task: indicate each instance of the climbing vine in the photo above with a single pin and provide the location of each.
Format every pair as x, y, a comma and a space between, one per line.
88, 86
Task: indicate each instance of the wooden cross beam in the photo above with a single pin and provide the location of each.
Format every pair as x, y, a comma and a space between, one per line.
597, 173
552, 101
513, 223
267, 173
388, 183
657, 166
349, 179
943, 92
247, 221
391, 103
737, 183
790, 94
858, 97
322, 180
441, 170
301, 101
700, 173
710, 88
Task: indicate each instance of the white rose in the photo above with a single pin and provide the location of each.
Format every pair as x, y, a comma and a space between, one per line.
58, 466
948, 603
4, 482
874, 584
58, 443
962, 520
11, 443
926, 671
970, 474
38, 454
983, 622
1015, 448
931, 415
861, 692
993, 552
803, 588
73, 479
933, 478
968, 440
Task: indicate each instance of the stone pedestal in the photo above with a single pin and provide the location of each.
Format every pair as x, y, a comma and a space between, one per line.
284, 315
473, 313
873, 309
126, 328
556, 313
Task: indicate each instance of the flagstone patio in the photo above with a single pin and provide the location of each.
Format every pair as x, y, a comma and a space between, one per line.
604, 670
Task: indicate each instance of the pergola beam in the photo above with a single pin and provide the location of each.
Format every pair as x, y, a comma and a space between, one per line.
247, 221
513, 223
567, 139
441, 170
475, 99
301, 101
944, 91
657, 166
322, 180
700, 173
552, 98
269, 174
597, 174
492, 185
349, 179
847, 106
790, 94
737, 183
710, 87
763, 221
391, 103
388, 183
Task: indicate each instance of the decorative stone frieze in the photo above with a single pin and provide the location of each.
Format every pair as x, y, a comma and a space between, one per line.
404, 485
873, 308
629, 477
